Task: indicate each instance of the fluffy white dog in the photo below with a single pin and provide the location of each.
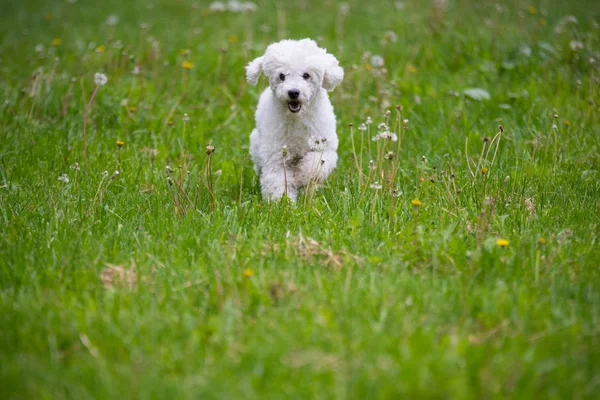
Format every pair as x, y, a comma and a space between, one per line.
295, 123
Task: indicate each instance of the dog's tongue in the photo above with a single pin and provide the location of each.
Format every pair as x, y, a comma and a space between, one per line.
294, 106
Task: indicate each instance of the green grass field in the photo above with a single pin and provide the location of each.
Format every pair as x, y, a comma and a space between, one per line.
464, 267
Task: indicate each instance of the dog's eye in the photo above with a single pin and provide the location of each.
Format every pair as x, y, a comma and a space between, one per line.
282, 77
306, 76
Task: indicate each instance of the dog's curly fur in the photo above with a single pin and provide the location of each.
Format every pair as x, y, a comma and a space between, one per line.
305, 124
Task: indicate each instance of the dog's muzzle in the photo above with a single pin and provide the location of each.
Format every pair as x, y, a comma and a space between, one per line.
294, 106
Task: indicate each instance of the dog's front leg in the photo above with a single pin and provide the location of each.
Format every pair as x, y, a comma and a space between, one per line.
315, 167
275, 182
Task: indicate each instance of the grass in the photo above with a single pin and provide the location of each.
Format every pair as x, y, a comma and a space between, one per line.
153, 283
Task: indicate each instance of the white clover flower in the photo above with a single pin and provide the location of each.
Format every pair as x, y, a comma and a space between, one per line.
63, 178
112, 20
377, 61
39, 48
100, 79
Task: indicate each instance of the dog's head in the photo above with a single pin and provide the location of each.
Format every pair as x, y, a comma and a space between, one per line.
297, 70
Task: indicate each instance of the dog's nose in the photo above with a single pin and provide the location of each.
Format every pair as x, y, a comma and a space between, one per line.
293, 93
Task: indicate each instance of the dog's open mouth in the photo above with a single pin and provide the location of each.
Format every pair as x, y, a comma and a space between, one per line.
294, 106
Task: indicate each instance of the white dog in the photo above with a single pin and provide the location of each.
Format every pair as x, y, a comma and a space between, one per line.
295, 123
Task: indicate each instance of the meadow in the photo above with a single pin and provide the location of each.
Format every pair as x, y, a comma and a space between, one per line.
455, 258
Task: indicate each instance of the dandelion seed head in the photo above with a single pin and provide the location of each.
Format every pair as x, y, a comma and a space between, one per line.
112, 20
217, 6
344, 8
376, 186
390, 36
100, 79
576, 45
185, 117
377, 61
63, 178
210, 149
362, 127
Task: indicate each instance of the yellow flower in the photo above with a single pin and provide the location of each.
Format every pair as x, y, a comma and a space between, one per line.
567, 123
484, 171
120, 143
543, 21
369, 67
56, 41
416, 202
248, 272
101, 49
411, 68
187, 65
502, 242
184, 52
232, 38
532, 10
541, 240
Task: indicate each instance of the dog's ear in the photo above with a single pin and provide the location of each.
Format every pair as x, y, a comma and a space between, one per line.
253, 70
334, 74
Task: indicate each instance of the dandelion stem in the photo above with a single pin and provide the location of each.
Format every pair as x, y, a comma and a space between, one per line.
85, 118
